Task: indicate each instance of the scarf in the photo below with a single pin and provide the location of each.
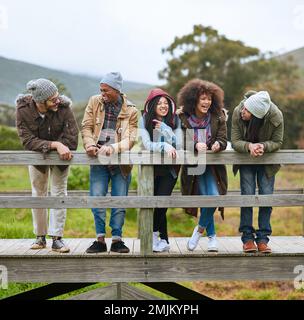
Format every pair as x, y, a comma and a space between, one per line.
198, 123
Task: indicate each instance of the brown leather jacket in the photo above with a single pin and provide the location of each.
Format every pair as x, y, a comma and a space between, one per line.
37, 134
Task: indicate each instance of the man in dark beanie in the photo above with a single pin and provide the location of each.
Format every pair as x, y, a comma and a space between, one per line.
109, 126
45, 122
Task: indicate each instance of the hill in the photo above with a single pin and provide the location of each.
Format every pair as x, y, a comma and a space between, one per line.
15, 74
298, 56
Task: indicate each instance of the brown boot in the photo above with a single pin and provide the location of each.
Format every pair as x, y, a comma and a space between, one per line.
263, 247
249, 247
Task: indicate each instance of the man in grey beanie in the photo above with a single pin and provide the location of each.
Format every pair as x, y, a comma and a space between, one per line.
257, 127
109, 126
45, 122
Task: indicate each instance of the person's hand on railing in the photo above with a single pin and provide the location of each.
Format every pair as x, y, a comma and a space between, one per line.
63, 151
216, 147
172, 153
200, 147
256, 149
92, 151
106, 150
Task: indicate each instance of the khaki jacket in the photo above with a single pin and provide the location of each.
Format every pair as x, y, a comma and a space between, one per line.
126, 126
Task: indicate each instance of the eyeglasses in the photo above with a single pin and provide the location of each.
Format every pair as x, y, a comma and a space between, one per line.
54, 100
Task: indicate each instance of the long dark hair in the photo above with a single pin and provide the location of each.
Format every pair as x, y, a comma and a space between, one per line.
253, 128
169, 119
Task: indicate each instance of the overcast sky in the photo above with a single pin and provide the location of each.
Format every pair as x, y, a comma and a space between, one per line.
98, 36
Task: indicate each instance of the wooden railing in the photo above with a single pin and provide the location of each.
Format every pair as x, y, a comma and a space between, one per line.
144, 199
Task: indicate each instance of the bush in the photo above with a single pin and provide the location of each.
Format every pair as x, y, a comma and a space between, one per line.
78, 178
9, 139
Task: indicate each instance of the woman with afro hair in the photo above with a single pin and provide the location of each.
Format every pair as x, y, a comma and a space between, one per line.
203, 120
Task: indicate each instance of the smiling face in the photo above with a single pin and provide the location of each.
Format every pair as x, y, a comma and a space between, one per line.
162, 107
203, 105
108, 93
52, 102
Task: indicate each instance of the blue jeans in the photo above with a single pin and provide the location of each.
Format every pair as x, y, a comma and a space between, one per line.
207, 186
250, 175
100, 177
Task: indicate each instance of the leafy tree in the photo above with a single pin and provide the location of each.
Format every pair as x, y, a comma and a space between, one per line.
208, 55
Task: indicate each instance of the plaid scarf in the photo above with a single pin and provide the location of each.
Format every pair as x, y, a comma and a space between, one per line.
204, 123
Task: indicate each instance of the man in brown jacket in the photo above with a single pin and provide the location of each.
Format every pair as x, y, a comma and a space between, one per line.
109, 126
45, 122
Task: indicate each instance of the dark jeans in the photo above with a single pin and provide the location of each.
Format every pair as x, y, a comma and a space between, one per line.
163, 186
250, 176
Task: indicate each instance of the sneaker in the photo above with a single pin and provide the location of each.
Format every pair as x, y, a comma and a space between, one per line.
193, 241
59, 246
263, 247
212, 244
40, 243
162, 246
249, 247
156, 240
119, 246
97, 247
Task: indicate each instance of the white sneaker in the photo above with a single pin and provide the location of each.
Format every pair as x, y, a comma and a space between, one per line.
156, 240
162, 246
193, 241
212, 244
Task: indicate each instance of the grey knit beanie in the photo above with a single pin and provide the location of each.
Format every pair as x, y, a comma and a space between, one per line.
258, 104
113, 79
41, 89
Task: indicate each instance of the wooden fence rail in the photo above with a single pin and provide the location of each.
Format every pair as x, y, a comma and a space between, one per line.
145, 200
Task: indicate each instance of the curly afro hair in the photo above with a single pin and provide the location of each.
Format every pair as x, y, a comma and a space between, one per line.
189, 95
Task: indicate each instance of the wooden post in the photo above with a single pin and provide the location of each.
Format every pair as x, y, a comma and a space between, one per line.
145, 216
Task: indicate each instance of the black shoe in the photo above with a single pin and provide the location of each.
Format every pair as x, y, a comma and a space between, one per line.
119, 246
97, 247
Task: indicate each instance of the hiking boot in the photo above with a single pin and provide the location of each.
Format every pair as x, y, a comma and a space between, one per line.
156, 240
97, 247
212, 244
40, 243
59, 246
119, 246
162, 246
193, 241
263, 247
249, 247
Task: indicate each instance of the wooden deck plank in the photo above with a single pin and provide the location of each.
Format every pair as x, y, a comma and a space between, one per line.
227, 246
19, 247
290, 244
182, 244
136, 246
5, 244
174, 249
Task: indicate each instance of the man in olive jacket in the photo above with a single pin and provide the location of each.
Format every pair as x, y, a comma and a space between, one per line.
257, 128
45, 122
109, 126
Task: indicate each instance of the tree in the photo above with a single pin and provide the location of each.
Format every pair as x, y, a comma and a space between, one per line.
237, 68
232, 65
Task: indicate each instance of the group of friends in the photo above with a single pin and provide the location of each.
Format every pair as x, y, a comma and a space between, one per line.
45, 122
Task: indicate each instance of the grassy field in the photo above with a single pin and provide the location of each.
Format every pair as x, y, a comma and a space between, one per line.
17, 223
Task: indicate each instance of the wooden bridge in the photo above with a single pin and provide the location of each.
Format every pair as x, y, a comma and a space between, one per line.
161, 271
